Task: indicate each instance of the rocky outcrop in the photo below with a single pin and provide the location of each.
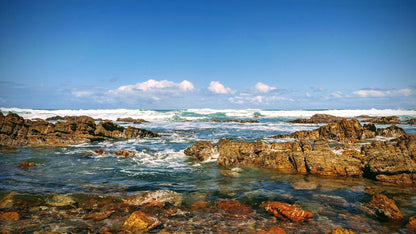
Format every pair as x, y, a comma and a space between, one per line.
25, 164
235, 121
125, 153
202, 150
345, 131
411, 121
384, 120
385, 208
318, 119
16, 131
412, 223
139, 222
68, 118
285, 211
131, 120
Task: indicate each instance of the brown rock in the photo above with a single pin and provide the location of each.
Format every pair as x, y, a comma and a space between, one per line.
385, 208
285, 211
340, 230
125, 153
99, 151
202, 150
139, 222
131, 120
412, 223
199, 205
9, 216
319, 118
97, 216
392, 131
411, 121
384, 120
26, 164
234, 209
272, 230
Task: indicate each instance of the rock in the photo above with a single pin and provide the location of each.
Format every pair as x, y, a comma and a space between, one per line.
272, 230
340, 230
363, 117
249, 121
318, 118
202, 150
160, 196
99, 151
384, 120
139, 222
234, 209
125, 153
16, 131
7, 201
385, 208
131, 120
60, 200
391, 132
285, 211
411, 121
412, 223
9, 216
200, 205
97, 216
26, 165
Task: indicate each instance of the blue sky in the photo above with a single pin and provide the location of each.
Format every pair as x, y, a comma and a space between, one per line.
290, 54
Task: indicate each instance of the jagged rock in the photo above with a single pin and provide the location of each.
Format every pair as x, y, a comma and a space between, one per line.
319, 118
139, 222
125, 153
249, 121
131, 120
389, 163
340, 230
411, 121
385, 208
392, 131
202, 150
384, 120
285, 211
16, 131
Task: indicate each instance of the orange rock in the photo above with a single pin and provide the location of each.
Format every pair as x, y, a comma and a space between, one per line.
340, 230
139, 222
97, 216
14, 216
285, 211
272, 230
125, 153
99, 152
412, 223
385, 208
26, 164
199, 205
234, 208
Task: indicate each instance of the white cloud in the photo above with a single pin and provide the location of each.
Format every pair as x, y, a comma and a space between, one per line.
259, 99
82, 93
263, 88
218, 88
156, 86
383, 93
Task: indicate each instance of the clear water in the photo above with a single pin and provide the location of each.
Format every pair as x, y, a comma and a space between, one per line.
161, 164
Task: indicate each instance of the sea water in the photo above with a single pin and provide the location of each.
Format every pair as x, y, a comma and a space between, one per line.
160, 163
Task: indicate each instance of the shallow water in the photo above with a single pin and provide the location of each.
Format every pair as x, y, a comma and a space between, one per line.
160, 163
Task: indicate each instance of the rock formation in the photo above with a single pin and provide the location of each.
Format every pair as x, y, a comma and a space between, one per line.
16, 131
131, 120
384, 120
285, 211
318, 119
385, 208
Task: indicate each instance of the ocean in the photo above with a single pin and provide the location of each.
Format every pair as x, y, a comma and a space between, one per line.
160, 164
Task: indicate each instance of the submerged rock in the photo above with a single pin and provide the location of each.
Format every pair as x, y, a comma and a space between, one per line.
412, 223
9, 216
125, 153
234, 209
16, 131
385, 208
285, 211
272, 230
26, 164
159, 196
340, 230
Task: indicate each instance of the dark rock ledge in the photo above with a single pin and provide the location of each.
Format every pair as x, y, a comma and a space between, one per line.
391, 161
17, 131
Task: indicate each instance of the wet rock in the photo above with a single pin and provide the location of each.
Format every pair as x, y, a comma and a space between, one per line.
97, 216
234, 209
139, 222
7, 201
199, 205
272, 230
131, 120
26, 164
411, 121
385, 208
249, 121
9, 216
318, 118
285, 211
125, 153
160, 196
202, 150
99, 151
384, 120
60, 200
391, 132
412, 224
340, 230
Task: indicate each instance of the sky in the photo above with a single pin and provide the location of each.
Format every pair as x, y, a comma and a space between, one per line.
146, 54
